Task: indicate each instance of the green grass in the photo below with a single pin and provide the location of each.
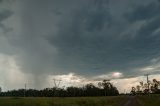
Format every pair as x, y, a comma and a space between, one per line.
67, 101
151, 100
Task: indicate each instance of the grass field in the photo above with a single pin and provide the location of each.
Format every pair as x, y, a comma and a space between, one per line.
67, 101
151, 100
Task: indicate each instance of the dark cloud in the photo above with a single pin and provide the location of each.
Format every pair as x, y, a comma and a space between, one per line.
143, 12
98, 50
4, 14
89, 38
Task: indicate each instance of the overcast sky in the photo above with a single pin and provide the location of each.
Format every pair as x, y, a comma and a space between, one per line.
78, 40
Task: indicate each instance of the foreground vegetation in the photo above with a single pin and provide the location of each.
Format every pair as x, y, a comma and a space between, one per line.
60, 101
151, 100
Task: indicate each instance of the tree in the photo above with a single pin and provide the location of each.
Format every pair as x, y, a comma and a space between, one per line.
87, 90
155, 86
108, 88
133, 91
138, 87
141, 85
145, 88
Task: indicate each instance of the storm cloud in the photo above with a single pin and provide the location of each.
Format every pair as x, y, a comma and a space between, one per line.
91, 37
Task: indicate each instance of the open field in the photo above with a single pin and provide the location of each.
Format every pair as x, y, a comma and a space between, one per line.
151, 100
67, 101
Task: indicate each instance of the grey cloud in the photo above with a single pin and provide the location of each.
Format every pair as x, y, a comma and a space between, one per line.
143, 12
98, 50
4, 14
149, 27
83, 37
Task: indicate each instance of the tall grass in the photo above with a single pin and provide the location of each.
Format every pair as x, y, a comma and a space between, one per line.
151, 100
68, 101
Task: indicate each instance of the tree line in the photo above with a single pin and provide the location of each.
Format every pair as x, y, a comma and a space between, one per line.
104, 88
146, 88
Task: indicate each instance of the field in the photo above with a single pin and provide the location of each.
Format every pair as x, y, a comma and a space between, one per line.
66, 101
151, 100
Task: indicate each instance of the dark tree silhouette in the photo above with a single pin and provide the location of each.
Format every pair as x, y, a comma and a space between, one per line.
104, 88
108, 88
133, 91
154, 87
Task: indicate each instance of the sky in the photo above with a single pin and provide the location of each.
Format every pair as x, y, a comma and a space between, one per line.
78, 41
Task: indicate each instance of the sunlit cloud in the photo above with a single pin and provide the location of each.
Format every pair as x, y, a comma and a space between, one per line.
117, 74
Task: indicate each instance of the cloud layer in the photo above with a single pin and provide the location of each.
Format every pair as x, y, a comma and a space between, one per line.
89, 38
